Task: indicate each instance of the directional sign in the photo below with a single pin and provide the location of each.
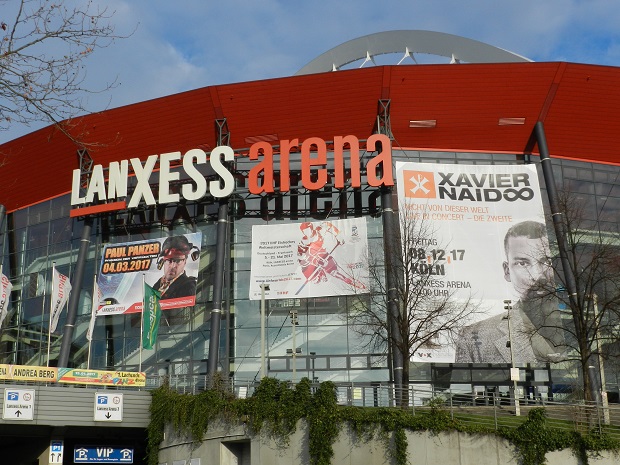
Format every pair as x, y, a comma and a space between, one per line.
18, 404
102, 454
56, 450
108, 407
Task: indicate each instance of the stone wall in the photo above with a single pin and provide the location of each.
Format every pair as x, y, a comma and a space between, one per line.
231, 445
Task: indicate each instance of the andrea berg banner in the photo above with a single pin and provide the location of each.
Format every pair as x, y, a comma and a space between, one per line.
469, 215
169, 265
309, 259
71, 376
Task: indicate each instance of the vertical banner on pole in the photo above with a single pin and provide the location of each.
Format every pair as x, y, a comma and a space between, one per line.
150, 317
61, 287
5, 292
93, 313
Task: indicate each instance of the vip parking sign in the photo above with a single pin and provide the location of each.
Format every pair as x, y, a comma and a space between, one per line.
102, 454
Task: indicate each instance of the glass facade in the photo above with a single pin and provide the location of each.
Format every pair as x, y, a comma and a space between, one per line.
43, 235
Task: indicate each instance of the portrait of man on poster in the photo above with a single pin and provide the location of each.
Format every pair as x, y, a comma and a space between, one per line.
536, 328
175, 282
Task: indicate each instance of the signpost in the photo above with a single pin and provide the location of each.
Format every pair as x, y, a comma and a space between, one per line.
18, 404
108, 407
102, 454
56, 450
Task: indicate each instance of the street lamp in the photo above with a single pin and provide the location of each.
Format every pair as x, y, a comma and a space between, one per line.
514, 372
295, 350
263, 371
313, 358
603, 388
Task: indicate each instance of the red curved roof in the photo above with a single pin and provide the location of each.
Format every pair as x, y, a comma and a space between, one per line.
577, 103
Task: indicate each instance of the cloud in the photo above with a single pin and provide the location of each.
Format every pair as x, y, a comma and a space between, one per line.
177, 46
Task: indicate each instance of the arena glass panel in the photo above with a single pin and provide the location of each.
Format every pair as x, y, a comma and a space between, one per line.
42, 234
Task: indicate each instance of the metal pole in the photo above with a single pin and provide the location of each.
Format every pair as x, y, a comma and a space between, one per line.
218, 280
312, 359
560, 232
263, 367
389, 219
226, 311
142, 321
604, 400
74, 297
49, 323
42, 313
556, 213
508, 307
2, 216
95, 305
294, 354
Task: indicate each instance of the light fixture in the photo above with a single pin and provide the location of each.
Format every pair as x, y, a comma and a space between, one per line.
423, 123
511, 121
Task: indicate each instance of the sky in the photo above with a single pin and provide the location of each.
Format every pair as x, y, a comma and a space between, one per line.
175, 46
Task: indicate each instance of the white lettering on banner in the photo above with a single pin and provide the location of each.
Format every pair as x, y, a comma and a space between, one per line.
62, 288
5, 290
485, 187
193, 189
152, 311
261, 177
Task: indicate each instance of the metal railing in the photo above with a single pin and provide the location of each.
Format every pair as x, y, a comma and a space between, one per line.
491, 410
487, 409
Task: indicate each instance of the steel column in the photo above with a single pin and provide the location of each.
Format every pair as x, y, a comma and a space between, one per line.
561, 233
74, 297
222, 244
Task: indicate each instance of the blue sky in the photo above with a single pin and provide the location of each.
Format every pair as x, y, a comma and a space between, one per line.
186, 44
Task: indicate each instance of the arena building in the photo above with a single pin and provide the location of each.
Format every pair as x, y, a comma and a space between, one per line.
134, 176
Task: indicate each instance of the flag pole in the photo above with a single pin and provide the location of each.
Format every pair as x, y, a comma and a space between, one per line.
49, 326
42, 314
142, 321
93, 315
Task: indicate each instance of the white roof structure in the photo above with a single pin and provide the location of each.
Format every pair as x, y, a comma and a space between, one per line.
454, 48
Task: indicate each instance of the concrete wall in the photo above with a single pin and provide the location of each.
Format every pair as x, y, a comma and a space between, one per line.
74, 405
230, 445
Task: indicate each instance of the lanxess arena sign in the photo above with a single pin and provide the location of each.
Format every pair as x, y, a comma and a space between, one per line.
111, 192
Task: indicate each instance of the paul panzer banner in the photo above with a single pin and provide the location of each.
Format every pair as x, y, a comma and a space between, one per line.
169, 265
309, 259
473, 213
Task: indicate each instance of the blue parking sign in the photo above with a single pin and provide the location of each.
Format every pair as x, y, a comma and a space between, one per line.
102, 454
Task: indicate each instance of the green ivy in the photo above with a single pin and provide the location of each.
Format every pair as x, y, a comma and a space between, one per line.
534, 438
275, 410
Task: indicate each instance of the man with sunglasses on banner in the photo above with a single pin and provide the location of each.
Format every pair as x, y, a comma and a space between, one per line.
536, 331
173, 258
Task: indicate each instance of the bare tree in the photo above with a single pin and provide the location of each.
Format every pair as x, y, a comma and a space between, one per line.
428, 314
43, 47
592, 311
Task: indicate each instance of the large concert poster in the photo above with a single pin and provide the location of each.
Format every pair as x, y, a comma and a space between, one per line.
475, 219
169, 264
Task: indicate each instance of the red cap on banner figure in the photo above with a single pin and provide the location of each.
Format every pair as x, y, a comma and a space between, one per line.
173, 258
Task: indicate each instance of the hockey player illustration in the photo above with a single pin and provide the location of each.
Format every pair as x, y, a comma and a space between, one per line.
315, 254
